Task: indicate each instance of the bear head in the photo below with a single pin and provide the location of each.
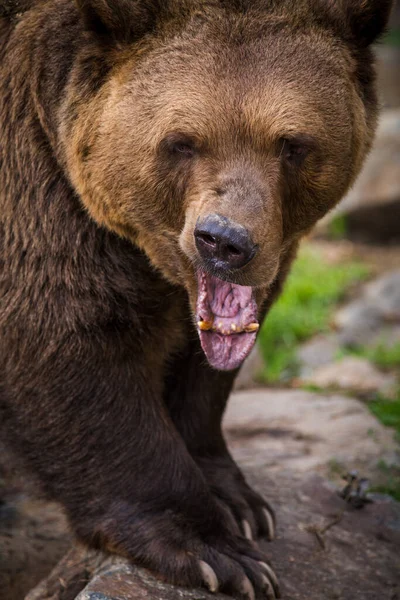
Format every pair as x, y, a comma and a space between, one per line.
214, 134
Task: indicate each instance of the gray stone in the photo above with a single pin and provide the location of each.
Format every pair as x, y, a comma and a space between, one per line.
376, 224
32, 539
122, 580
358, 323
320, 350
366, 320
324, 551
384, 294
372, 206
388, 70
297, 431
249, 374
353, 374
379, 181
387, 336
355, 558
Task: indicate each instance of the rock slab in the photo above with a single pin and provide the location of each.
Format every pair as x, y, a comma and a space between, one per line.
325, 550
278, 431
354, 374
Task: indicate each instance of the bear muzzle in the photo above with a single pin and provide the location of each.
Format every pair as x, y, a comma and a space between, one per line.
222, 244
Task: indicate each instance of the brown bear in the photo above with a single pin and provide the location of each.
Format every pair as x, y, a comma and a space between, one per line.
159, 162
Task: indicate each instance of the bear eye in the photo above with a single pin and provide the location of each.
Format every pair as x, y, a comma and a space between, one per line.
183, 148
294, 151
179, 145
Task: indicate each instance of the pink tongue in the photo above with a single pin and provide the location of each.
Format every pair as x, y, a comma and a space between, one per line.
224, 352
231, 302
230, 308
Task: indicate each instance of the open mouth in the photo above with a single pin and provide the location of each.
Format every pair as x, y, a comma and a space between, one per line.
226, 320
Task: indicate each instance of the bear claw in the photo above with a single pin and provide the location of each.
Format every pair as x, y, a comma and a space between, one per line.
269, 588
248, 590
250, 585
209, 576
272, 578
271, 525
247, 530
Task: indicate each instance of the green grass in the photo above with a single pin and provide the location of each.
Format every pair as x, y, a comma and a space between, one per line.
312, 291
385, 357
392, 38
388, 411
337, 227
391, 480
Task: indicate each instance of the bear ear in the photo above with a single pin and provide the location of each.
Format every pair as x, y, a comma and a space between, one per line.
119, 20
364, 20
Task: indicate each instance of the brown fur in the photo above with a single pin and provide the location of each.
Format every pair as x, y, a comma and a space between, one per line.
104, 389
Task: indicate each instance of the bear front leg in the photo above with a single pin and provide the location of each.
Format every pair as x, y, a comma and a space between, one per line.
196, 397
95, 430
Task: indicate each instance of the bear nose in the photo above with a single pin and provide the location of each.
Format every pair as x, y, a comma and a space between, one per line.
223, 244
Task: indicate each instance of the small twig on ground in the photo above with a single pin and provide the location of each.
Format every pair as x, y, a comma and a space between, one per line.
319, 531
354, 493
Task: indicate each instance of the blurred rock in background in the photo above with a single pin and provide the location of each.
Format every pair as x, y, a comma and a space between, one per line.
371, 211
388, 55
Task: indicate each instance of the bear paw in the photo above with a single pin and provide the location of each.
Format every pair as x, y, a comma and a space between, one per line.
241, 572
173, 546
252, 515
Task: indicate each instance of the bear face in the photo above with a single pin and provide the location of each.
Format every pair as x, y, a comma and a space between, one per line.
229, 133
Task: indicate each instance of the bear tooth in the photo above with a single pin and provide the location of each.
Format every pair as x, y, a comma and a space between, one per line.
252, 328
205, 325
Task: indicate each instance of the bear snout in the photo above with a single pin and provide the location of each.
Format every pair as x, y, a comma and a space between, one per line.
223, 245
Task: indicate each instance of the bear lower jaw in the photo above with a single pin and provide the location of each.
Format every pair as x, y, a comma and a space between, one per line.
226, 321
